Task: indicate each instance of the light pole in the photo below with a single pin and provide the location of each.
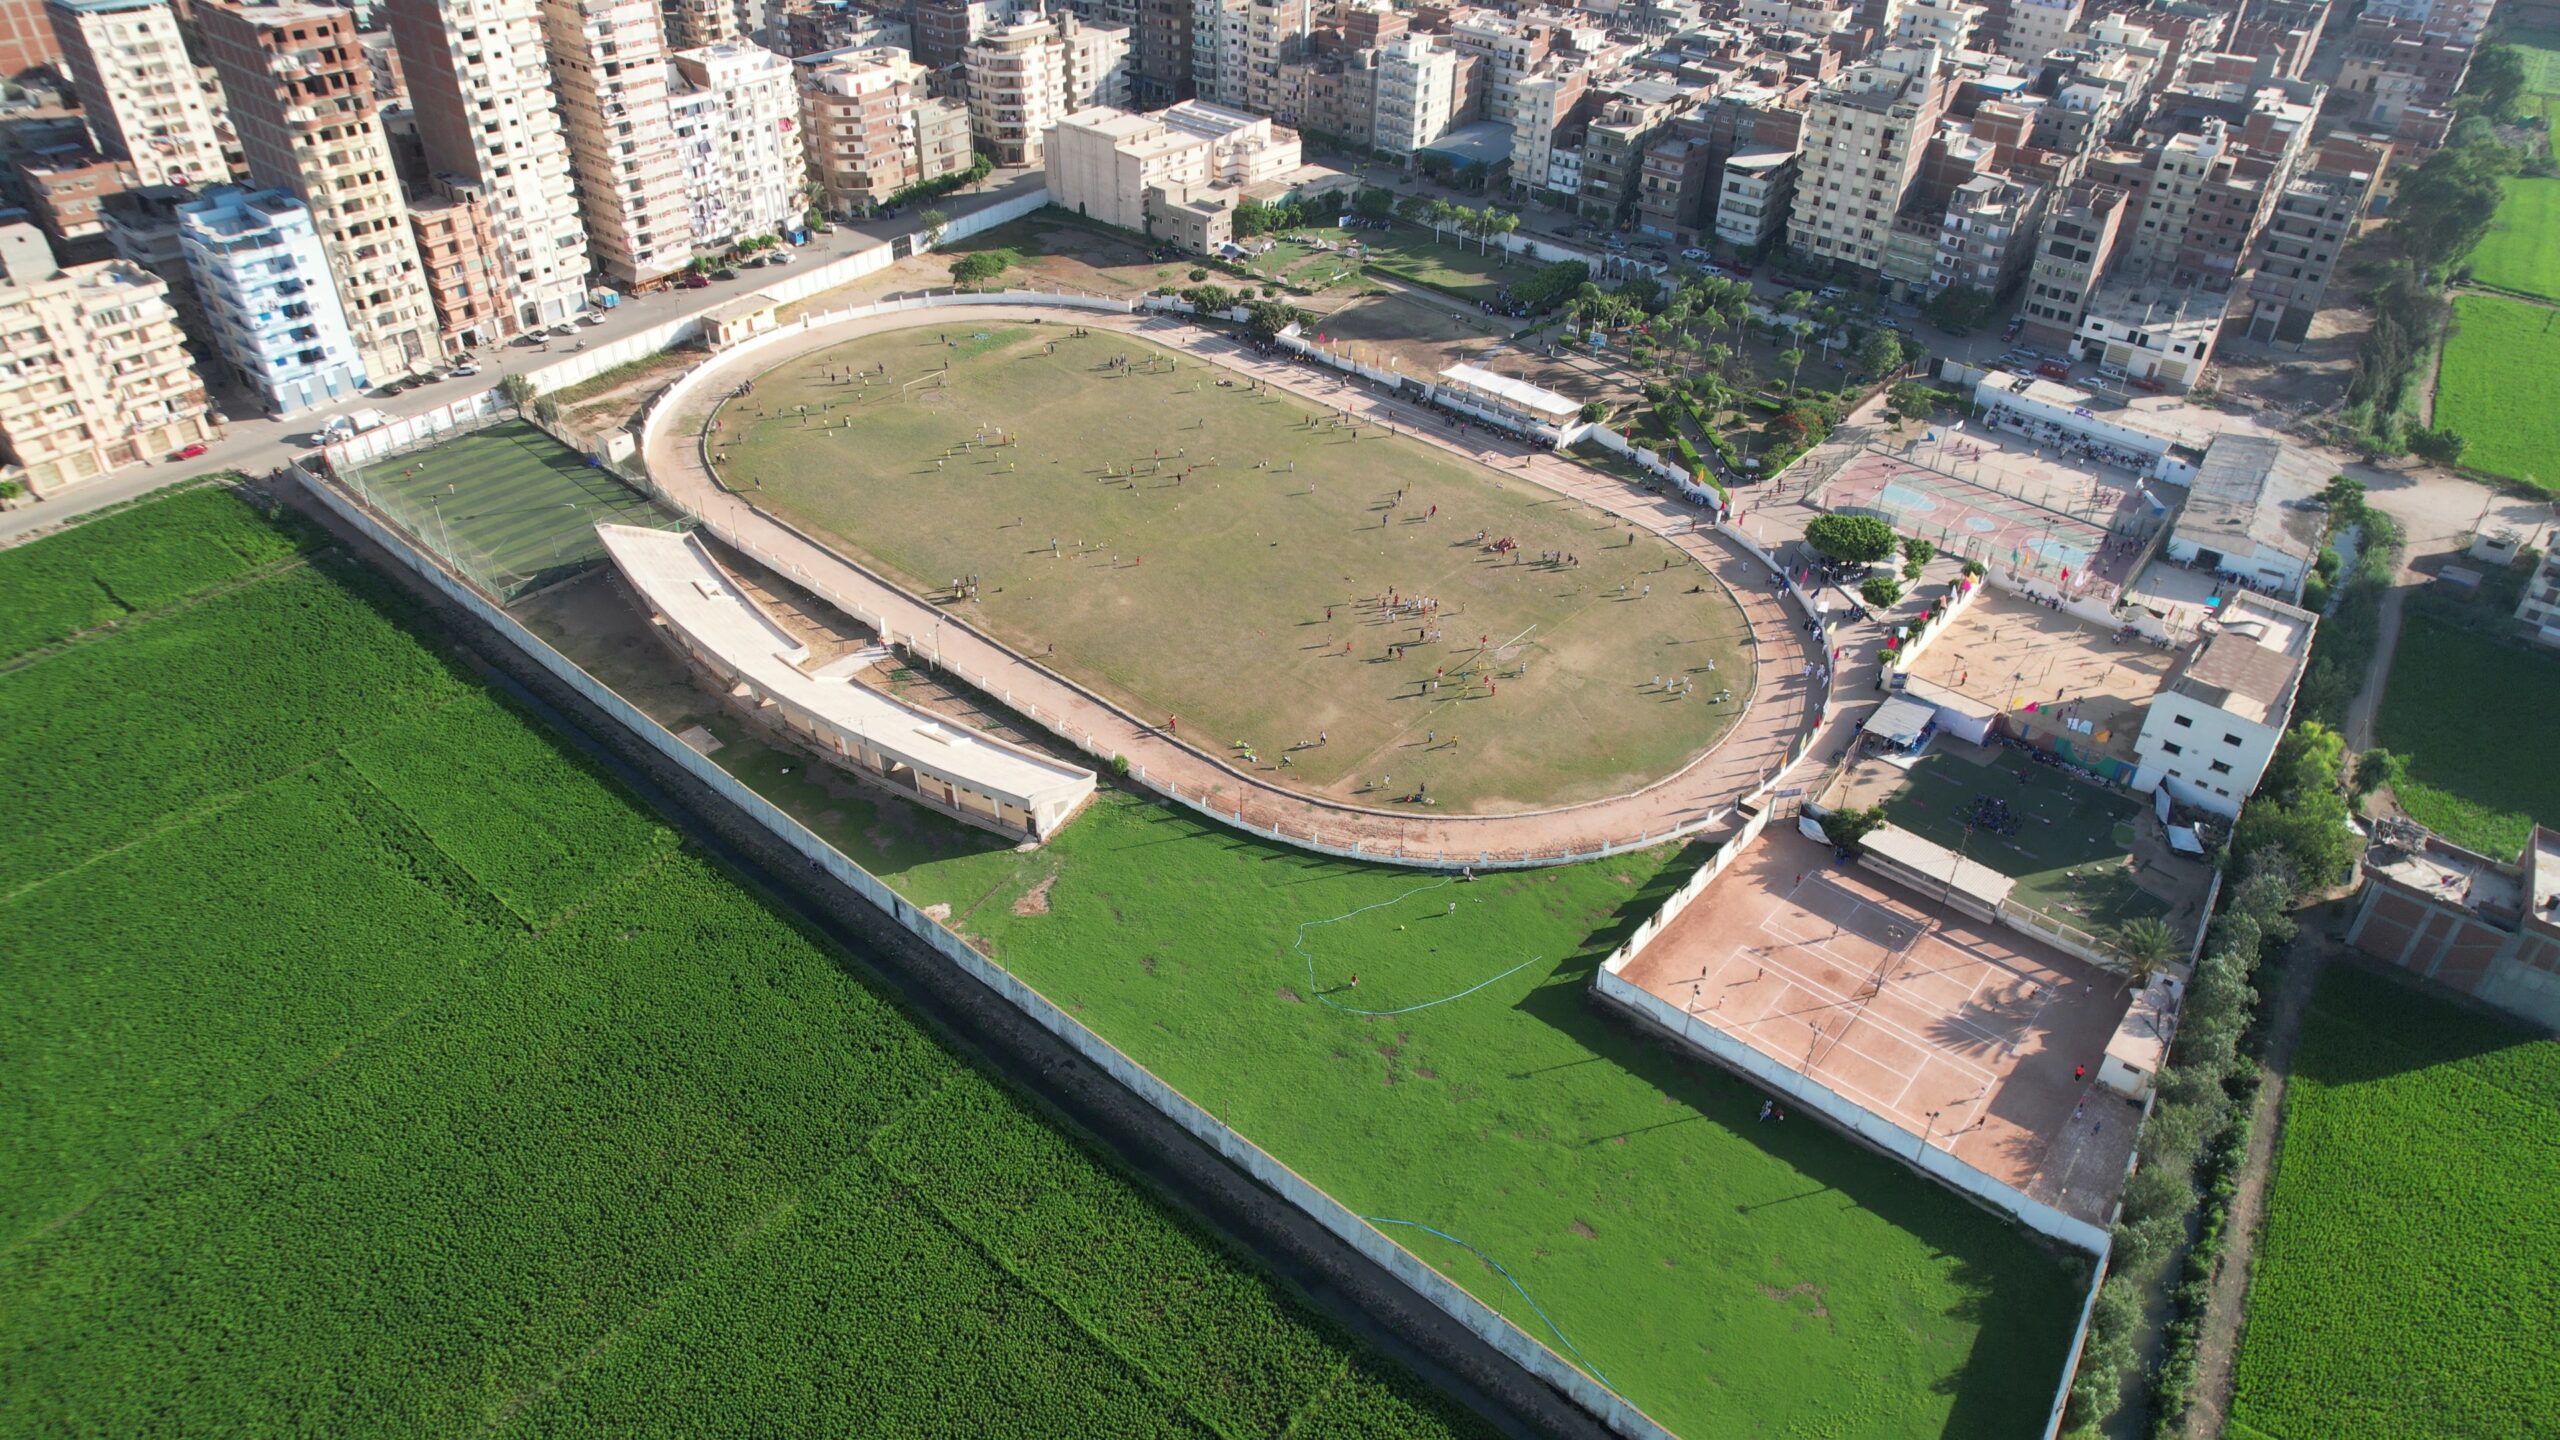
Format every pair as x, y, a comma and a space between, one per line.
1925, 1127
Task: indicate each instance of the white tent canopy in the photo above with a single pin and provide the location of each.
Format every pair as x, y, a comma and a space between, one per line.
1519, 394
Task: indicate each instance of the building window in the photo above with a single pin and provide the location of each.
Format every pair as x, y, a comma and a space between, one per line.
2186, 720
2220, 767
2173, 747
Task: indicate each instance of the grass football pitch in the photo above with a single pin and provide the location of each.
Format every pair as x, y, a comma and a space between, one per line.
515, 506
372, 1065
2500, 386
2073, 844
1235, 578
2409, 1226
2521, 252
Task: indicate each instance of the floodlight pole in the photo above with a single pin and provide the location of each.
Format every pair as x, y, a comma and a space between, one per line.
1925, 1127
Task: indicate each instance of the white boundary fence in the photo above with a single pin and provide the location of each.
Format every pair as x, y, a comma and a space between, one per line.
1486, 1323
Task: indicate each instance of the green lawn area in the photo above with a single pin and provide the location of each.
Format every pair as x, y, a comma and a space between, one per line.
1227, 597
382, 1068
181, 543
2410, 1225
1728, 1277
2500, 386
1445, 262
2521, 252
518, 507
2467, 718
2541, 51
2072, 855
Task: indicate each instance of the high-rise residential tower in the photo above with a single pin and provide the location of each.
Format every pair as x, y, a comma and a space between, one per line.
480, 79
139, 89
609, 68
301, 94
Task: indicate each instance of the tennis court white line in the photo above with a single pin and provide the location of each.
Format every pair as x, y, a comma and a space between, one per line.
1969, 957
1891, 1027
1990, 963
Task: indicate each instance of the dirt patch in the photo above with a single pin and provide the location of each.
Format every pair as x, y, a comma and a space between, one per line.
1035, 901
1805, 1290
1585, 1231
1292, 996
1425, 1072
1147, 963
937, 912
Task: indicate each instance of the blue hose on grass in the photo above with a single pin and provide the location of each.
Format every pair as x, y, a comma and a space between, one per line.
1301, 947
1516, 1286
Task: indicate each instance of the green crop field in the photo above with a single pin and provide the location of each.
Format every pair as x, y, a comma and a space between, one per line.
517, 508
2521, 252
372, 1065
2500, 386
2470, 770
2541, 52
1227, 598
2410, 1226
2069, 857
1726, 1276
145, 558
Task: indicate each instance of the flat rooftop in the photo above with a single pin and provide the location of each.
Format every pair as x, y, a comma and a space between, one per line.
2002, 652
1963, 1034
2249, 663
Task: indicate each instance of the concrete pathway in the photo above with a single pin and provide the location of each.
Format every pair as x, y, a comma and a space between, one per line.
1782, 706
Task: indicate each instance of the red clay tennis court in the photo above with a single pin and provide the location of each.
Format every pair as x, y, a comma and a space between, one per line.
1958, 1031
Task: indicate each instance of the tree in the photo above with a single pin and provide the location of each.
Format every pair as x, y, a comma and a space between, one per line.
1855, 539
936, 225
2147, 946
1847, 828
1595, 411
1880, 353
1793, 358
977, 267
517, 391
1265, 319
2497, 80
2442, 445
2299, 814
1910, 397
1375, 204
1210, 299
2444, 207
1957, 309
1917, 550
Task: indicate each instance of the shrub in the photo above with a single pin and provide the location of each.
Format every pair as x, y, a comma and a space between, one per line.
1859, 539
1881, 591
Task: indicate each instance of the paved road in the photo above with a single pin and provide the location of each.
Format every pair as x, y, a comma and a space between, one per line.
1781, 707
255, 447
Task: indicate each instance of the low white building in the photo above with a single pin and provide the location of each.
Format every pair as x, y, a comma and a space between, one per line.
945, 765
2214, 724
2052, 413
1175, 173
2251, 514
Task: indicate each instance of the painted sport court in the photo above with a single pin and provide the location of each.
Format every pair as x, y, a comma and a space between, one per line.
1959, 1032
2033, 516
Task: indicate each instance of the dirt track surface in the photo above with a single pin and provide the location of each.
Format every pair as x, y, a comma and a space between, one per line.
1784, 706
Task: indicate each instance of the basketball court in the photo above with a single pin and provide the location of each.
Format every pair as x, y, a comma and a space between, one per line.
1976, 499
1964, 1034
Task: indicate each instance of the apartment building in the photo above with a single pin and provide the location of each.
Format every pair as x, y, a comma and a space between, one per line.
467, 276
1418, 91
1613, 150
2078, 237
2142, 326
94, 374
66, 189
1549, 108
1160, 53
1988, 234
1276, 34
1218, 65
2298, 250
1864, 138
480, 78
2463, 22
759, 167
262, 277
1026, 77
1757, 191
1672, 186
1947, 24
2389, 69
1335, 96
1511, 48
2213, 726
871, 131
1816, 18
301, 95
609, 68
2029, 30
694, 24
139, 89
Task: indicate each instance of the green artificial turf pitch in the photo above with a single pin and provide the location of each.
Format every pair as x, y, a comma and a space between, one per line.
1210, 589
2065, 826
518, 508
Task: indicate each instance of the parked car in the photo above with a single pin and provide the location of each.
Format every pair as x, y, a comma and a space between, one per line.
781, 257
1693, 254
387, 391
724, 273
591, 317
695, 280
2054, 370
463, 370
189, 452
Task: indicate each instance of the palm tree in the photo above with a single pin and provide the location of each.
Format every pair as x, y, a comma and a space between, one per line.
1793, 359
2147, 947
517, 391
